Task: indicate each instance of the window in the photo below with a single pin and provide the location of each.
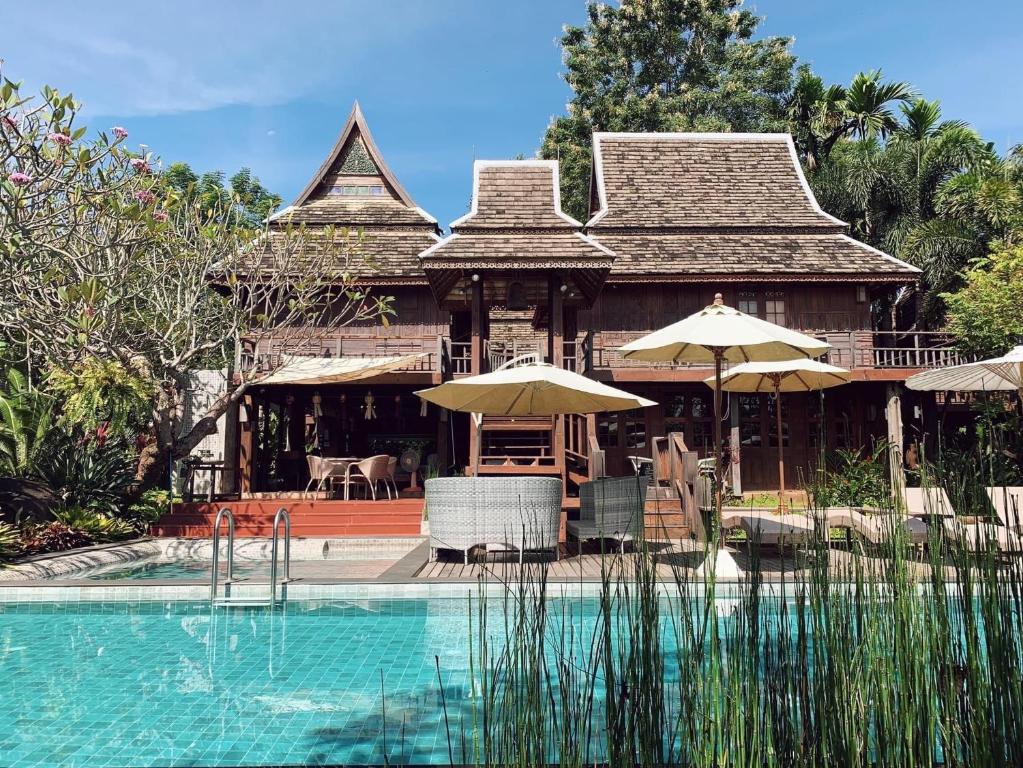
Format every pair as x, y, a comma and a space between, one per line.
749, 306
772, 424
357, 190
607, 430
635, 429
749, 421
774, 311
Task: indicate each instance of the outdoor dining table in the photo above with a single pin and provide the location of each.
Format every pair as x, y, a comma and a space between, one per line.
340, 462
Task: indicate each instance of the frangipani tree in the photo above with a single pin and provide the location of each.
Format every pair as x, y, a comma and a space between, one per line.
103, 261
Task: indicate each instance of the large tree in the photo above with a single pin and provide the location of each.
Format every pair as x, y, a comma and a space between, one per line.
664, 65
248, 200
985, 314
105, 262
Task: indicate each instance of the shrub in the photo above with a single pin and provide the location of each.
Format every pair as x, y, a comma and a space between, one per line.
147, 510
851, 479
84, 473
95, 525
52, 537
9, 541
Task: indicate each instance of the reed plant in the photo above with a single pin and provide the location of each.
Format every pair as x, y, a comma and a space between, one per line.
892, 656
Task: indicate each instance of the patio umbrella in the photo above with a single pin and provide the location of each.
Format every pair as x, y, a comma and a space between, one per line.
801, 375
530, 390
717, 334
1003, 373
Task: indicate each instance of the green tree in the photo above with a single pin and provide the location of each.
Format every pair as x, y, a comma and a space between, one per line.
104, 261
664, 65
251, 202
985, 314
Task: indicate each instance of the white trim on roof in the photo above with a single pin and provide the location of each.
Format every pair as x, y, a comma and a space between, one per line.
590, 241
555, 176
440, 243
904, 264
753, 138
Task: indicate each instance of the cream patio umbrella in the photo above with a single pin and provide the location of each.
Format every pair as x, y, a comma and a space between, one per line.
529, 390
717, 334
1003, 373
802, 375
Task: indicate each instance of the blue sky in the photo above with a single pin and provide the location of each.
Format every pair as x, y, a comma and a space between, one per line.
268, 84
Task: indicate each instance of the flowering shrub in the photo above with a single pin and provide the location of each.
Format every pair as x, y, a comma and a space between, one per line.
52, 537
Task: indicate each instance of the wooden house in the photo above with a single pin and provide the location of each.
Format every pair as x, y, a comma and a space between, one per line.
674, 219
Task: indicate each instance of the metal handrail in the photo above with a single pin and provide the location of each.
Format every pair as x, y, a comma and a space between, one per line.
224, 512
282, 515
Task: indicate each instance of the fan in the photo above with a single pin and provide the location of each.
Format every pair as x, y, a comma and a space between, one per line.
409, 462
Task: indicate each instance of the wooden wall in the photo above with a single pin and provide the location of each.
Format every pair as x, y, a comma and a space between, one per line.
645, 307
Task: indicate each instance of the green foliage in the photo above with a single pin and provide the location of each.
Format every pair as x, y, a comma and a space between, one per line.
986, 314
243, 193
84, 473
851, 479
664, 65
98, 527
25, 416
101, 391
10, 540
147, 510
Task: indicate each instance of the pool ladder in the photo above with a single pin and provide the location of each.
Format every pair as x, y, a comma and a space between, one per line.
226, 600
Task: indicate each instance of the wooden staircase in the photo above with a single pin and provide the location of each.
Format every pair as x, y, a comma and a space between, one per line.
663, 516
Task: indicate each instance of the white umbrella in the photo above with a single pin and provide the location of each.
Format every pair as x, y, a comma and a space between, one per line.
530, 390
715, 334
802, 375
1003, 373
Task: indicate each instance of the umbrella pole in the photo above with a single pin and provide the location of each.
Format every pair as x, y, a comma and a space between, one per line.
781, 449
718, 447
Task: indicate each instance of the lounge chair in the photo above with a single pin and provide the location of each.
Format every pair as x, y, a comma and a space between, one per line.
876, 528
1008, 503
610, 508
770, 529
933, 503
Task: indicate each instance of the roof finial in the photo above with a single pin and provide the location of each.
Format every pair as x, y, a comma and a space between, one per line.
718, 299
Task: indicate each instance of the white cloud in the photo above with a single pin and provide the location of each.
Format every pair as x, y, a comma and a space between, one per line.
192, 55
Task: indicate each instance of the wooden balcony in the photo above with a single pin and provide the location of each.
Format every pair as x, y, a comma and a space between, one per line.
349, 342
854, 349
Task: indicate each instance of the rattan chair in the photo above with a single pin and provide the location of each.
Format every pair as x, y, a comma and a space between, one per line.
520, 513
610, 508
371, 472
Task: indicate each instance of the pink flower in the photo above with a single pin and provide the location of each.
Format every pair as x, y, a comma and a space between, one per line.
61, 139
144, 196
9, 122
119, 132
140, 165
19, 179
159, 215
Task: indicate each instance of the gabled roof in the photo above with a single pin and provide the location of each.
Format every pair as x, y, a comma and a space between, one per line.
516, 223
515, 193
700, 204
355, 128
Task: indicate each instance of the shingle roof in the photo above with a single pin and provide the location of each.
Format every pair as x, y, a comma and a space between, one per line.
515, 193
513, 250
786, 254
721, 204
341, 211
382, 253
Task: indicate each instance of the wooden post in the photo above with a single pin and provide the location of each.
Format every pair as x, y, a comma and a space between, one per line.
246, 443
556, 354
476, 364
734, 443
893, 414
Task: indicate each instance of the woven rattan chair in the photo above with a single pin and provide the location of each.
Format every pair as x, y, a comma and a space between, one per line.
610, 508
521, 513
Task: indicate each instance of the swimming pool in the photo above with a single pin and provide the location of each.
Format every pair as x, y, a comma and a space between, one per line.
123, 683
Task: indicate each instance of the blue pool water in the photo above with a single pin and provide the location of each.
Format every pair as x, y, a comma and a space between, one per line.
167, 570
161, 684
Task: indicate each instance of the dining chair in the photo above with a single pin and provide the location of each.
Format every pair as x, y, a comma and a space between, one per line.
316, 471
392, 468
371, 471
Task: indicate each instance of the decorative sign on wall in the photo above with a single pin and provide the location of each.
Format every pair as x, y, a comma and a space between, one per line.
369, 410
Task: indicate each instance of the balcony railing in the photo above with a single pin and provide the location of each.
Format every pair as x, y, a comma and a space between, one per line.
850, 349
266, 353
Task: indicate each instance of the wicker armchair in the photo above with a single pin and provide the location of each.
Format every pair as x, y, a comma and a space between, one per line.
610, 508
522, 513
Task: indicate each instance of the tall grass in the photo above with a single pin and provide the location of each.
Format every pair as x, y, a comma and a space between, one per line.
893, 657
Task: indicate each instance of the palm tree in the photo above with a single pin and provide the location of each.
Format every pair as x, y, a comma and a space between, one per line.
820, 116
